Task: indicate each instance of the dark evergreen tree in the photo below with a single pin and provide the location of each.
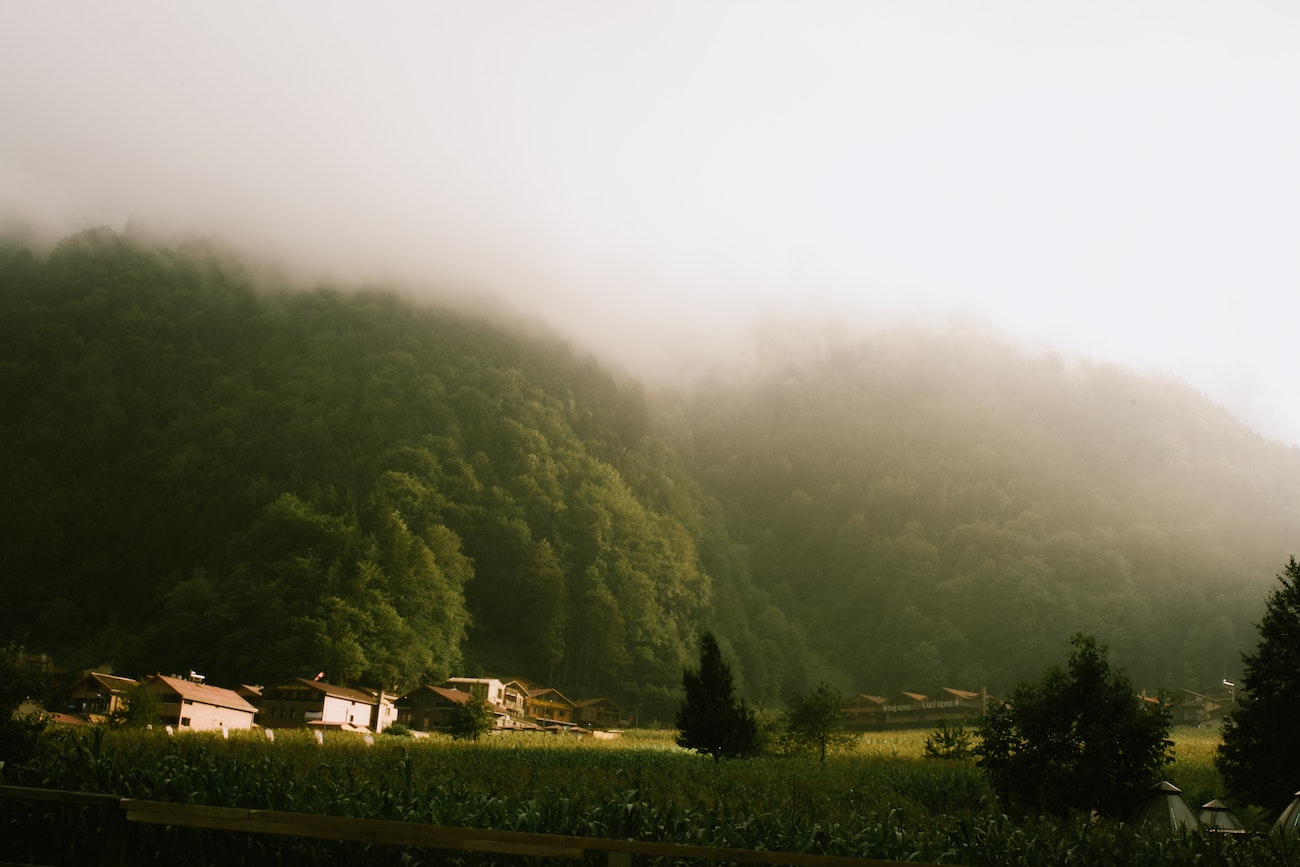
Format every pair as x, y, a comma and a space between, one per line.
713, 719
1079, 740
1260, 754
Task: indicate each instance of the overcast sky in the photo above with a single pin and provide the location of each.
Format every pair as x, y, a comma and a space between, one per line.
1116, 179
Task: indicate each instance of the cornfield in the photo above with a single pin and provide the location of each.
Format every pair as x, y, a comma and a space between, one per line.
881, 799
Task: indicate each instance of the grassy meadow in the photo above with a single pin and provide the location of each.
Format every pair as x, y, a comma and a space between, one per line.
880, 799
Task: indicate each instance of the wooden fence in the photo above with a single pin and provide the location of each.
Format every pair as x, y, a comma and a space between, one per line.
121, 813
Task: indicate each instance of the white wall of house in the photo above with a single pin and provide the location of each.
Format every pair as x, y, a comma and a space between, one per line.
200, 717
339, 710
491, 688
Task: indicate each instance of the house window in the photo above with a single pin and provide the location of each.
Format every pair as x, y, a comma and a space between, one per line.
185, 720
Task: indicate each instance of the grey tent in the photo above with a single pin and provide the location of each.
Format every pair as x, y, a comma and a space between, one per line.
1216, 817
1166, 808
1289, 824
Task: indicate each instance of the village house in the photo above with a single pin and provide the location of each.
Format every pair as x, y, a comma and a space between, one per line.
549, 707
514, 696
252, 695
302, 702
1199, 709
489, 689
96, 695
430, 708
195, 706
385, 704
600, 713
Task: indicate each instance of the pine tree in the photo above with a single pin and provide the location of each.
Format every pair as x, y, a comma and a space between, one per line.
1259, 758
712, 719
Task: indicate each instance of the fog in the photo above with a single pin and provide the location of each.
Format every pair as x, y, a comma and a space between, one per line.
655, 179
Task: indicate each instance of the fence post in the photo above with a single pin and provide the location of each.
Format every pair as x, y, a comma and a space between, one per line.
620, 859
113, 845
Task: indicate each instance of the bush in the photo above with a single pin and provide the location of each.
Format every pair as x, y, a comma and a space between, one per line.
950, 742
20, 682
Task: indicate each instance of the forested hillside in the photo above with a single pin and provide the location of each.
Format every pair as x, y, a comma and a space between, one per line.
207, 469
201, 473
941, 508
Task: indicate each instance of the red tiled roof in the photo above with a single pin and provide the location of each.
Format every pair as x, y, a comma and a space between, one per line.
961, 693
336, 691
110, 682
203, 693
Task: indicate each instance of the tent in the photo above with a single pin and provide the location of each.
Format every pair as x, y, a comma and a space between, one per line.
1216, 817
1166, 807
1289, 824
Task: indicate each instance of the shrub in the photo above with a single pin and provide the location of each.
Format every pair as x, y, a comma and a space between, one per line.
950, 742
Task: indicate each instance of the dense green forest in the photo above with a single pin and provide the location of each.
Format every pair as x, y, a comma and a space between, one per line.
946, 508
207, 468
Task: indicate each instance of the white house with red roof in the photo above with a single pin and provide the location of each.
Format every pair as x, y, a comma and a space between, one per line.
194, 706
303, 702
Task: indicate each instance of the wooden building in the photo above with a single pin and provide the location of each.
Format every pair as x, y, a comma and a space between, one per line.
600, 713
303, 702
430, 708
96, 695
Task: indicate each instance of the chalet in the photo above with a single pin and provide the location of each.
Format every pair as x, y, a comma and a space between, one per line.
549, 707
490, 689
195, 706
600, 713
1199, 709
429, 708
302, 702
253, 695
514, 696
97, 695
385, 704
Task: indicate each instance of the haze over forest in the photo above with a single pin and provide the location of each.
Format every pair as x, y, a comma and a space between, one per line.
893, 342
1117, 183
212, 468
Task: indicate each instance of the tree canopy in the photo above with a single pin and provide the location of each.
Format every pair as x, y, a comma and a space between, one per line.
209, 467
814, 719
1080, 739
1260, 754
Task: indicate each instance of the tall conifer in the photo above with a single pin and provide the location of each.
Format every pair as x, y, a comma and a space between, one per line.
713, 719
1260, 754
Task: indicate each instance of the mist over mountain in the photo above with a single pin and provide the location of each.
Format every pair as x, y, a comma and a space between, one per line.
207, 469
942, 507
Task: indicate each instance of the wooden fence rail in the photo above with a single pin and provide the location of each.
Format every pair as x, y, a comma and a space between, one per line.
120, 813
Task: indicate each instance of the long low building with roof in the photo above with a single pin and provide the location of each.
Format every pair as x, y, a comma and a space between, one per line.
865, 711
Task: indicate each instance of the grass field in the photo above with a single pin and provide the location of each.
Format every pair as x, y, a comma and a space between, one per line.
879, 799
